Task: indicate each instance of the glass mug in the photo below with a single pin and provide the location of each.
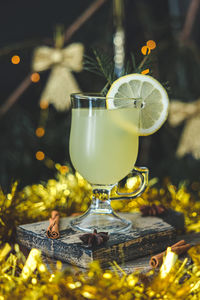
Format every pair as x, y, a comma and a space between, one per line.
103, 149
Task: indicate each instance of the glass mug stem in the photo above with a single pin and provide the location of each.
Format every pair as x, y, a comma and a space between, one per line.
100, 215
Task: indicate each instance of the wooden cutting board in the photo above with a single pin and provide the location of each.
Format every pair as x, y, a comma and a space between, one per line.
148, 235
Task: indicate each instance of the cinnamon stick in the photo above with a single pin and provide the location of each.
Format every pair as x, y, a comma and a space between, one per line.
53, 229
179, 248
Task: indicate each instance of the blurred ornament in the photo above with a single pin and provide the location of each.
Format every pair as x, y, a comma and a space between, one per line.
61, 82
190, 139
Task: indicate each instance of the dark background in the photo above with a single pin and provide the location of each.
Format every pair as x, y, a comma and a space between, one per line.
27, 24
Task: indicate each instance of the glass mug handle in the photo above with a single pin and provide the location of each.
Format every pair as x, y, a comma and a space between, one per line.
143, 174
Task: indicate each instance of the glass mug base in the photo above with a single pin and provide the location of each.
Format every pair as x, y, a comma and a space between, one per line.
101, 219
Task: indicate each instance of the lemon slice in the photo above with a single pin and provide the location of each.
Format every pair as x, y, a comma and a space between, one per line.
148, 93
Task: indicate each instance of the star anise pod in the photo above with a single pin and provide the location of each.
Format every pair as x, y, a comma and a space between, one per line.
94, 239
152, 210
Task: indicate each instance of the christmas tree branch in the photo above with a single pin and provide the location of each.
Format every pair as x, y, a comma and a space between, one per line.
189, 20
83, 18
143, 62
17, 46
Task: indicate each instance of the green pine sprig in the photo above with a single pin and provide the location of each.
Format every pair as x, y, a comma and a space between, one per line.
102, 64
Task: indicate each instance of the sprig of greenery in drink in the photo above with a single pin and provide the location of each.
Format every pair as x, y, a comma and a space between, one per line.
102, 64
133, 84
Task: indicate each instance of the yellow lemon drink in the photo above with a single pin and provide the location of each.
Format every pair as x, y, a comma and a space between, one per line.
104, 143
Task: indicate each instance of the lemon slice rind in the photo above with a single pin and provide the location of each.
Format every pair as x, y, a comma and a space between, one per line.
146, 90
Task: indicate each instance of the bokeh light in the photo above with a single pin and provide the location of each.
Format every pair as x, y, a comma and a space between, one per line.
146, 71
15, 59
40, 132
145, 50
107, 275
49, 163
40, 155
151, 44
44, 104
64, 169
35, 77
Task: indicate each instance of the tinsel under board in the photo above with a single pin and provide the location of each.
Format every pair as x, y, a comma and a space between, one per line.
22, 278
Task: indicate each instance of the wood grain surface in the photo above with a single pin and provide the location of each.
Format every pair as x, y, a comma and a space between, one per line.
147, 236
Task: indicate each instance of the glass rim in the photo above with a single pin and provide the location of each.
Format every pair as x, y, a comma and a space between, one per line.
93, 96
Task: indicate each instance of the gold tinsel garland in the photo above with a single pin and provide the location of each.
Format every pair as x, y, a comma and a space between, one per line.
31, 279
70, 193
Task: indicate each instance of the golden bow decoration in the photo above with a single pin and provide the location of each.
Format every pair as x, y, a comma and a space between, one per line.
190, 138
61, 82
